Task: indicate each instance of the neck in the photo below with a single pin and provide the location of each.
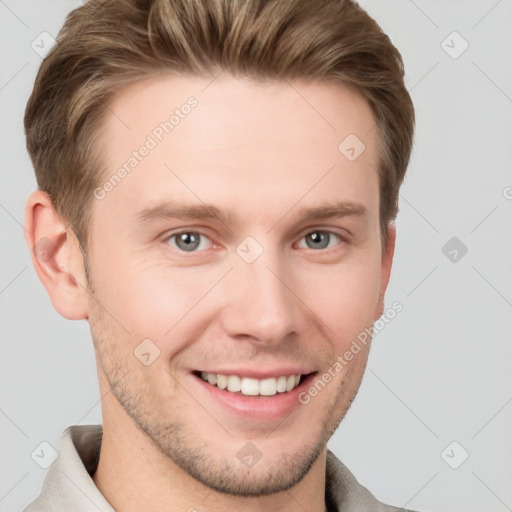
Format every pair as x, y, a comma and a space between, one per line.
133, 475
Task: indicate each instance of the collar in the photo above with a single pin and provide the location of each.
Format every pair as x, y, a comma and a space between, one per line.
69, 485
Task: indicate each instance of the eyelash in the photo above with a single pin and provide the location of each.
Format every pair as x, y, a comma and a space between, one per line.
327, 250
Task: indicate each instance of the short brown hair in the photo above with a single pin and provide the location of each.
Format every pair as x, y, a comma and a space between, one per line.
106, 45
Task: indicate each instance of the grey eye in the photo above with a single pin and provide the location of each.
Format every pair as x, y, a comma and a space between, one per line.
319, 239
187, 241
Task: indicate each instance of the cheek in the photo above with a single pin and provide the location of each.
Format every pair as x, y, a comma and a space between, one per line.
169, 292
344, 297
156, 300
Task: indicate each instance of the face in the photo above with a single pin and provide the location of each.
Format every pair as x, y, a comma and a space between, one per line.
242, 243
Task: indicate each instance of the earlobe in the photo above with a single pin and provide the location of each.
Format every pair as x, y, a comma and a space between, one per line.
56, 256
386, 264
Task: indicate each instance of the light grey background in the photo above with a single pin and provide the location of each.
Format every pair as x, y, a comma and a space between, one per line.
439, 372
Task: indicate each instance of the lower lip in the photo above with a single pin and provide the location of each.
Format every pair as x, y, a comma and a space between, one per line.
268, 408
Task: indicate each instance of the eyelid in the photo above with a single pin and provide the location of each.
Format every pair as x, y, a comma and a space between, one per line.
344, 237
343, 233
197, 231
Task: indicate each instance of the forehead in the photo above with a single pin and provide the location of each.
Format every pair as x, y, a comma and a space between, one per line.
237, 139
227, 101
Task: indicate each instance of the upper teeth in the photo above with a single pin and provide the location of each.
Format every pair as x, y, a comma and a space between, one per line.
250, 386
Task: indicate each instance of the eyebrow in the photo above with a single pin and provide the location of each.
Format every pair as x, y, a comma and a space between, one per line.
172, 210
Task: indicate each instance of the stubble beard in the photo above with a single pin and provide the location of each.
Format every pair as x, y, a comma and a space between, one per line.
176, 440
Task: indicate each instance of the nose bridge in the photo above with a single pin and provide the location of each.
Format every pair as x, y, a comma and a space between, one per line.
262, 305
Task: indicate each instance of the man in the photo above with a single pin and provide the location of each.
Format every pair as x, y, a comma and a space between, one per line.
189, 157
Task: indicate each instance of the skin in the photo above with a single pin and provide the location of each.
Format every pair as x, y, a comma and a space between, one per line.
264, 152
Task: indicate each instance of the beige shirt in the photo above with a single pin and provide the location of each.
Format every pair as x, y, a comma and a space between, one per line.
69, 487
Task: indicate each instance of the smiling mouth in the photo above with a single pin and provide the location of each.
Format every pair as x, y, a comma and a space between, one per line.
249, 386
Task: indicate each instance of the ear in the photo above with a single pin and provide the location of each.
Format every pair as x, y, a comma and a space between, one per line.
386, 263
56, 256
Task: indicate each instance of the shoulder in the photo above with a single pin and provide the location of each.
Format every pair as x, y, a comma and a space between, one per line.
343, 493
68, 484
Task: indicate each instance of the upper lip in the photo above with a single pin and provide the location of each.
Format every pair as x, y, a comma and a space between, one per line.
260, 374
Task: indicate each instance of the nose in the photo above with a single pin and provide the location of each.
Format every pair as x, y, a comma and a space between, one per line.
260, 302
